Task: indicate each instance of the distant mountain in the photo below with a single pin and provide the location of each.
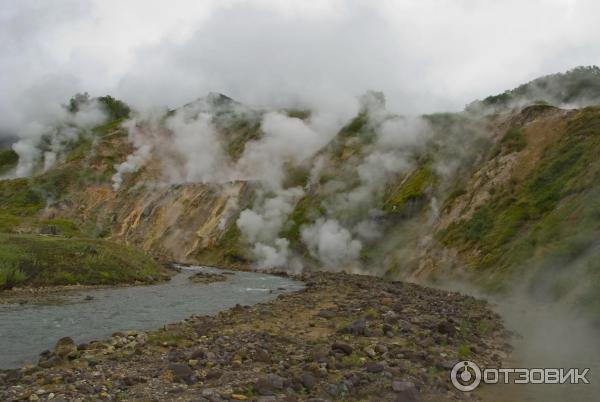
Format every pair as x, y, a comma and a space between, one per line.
578, 87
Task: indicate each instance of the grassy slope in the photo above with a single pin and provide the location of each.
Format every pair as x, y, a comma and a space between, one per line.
543, 227
76, 255
39, 260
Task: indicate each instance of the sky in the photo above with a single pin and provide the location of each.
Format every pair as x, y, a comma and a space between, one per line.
424, 55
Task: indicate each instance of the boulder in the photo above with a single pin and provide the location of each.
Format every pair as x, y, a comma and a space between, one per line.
65, 348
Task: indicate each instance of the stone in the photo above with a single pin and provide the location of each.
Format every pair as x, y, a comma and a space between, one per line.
239, 397
369, 351
447, 364
308, 381
181, 372
51, 361
65, 348
446, 327
267, 385
326, 313
375, 367
405, 390
358, 327
342, 347
380, 348
262, 356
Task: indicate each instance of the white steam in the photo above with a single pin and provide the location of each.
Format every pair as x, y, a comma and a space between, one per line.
43, 139
262, 224
331, 244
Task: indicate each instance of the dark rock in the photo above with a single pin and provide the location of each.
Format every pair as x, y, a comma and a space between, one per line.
358, 328
326, 313
49, 230
50, 361
11, 376
269, 384
262, 356
332, 389
197, 354
447, 364
213, 374
131, 380
308, 381
343, 347
65, 348
406, 391
446, 327
181, 372
374, 367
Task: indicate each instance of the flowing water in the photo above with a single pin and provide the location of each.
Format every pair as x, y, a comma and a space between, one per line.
27, 330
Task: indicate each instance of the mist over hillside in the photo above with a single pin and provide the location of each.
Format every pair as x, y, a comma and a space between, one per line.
421, 197
385, 191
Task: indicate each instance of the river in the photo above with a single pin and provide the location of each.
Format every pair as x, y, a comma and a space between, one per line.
27, 330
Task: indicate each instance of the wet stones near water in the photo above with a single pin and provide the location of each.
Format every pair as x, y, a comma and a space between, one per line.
334, 341
206, 278
65, 348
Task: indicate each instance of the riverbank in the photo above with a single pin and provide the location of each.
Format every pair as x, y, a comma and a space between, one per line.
44, 261
343, 337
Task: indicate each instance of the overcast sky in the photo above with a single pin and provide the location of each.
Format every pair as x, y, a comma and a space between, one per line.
425, 55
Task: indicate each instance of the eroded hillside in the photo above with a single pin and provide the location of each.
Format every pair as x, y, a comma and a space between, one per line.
500, 192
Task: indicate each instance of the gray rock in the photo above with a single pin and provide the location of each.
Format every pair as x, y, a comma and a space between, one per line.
447, 364
358, 327
375, 367
308, 381
405, 390
181, 372
269, 384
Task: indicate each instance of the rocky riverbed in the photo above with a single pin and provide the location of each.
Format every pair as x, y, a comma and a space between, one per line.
344, 337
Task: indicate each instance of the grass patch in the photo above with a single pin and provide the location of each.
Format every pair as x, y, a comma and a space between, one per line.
513, 141
44, 261
8, 160
410, 190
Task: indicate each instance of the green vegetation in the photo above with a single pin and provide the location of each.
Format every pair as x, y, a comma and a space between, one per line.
309, 207
578, 84
513, 141
302, 114
43, 261
115, 108
548, 221
240, 132
356, 125
228, 251
8, 160
411, 189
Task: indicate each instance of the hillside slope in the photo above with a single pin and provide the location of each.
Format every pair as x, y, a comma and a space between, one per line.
502, 193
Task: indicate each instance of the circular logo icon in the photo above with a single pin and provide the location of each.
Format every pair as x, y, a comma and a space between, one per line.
465, 376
